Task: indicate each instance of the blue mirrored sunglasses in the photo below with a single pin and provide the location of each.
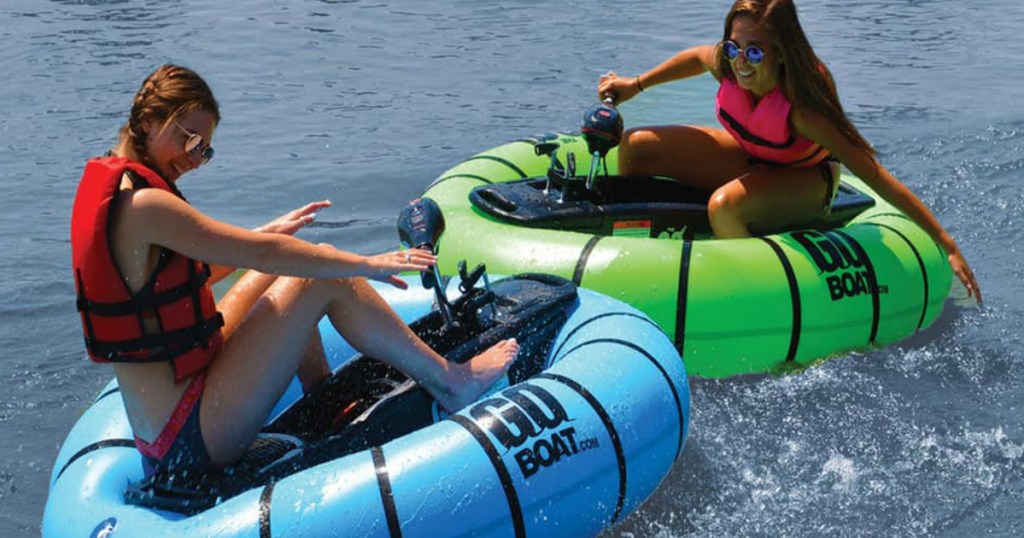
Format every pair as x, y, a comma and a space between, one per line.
752, 53
194, 143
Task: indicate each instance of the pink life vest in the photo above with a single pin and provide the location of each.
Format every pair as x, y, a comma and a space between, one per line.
763, 129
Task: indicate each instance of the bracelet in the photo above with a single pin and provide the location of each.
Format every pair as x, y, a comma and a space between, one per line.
638, 85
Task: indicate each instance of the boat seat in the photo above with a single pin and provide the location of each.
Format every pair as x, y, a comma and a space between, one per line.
675, 210
190, 493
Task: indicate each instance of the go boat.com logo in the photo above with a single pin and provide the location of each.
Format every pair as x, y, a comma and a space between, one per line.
844, 262
529, 421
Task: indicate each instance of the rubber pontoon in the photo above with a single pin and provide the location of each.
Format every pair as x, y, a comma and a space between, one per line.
595, 412
863, 276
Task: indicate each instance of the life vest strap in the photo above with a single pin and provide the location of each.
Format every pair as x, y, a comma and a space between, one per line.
751, 137
143, 301
174, 343
756, 161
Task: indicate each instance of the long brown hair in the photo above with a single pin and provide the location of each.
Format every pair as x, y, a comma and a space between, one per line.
804, 79
167, 93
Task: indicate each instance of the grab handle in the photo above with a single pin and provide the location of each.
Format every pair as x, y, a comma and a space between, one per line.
498, 200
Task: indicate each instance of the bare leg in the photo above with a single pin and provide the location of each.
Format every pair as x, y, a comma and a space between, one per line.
372, 327
742, 197
267, 347
314, 368
241, 297
699, 156
769, 198
237, 303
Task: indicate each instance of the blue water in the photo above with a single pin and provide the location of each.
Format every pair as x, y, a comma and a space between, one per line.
366, 102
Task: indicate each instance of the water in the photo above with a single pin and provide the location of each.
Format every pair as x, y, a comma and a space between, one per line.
366, 102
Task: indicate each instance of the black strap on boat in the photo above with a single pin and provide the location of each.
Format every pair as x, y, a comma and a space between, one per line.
581, 262
506, 162
920, 263
266, 502
681, 297
876, 305
106, 443
380, 466
114, 390
664, 374
620, 456
555, 356
441, 180
504, 477
794, 295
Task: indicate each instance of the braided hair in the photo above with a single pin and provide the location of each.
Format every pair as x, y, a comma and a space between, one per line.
167, 94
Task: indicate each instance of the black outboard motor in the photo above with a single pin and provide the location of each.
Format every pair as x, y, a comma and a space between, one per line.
420, 224
602, 129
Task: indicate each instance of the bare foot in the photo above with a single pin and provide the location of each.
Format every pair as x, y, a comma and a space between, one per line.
477, 375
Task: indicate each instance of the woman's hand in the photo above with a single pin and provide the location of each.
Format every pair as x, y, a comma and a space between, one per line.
624, 88
385, 267
966, 276
294, 220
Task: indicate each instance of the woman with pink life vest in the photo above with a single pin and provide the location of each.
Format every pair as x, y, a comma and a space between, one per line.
198, 378
776, 160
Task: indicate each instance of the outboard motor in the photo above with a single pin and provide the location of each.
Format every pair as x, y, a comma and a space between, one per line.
602, 129
420, 224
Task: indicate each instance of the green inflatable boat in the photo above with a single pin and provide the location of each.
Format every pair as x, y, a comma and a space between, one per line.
863, 276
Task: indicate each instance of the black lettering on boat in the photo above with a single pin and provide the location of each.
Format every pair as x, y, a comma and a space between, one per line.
519, 413
526, 419
844, 266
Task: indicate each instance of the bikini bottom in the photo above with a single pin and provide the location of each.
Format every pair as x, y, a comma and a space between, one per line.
831, 183
180, 446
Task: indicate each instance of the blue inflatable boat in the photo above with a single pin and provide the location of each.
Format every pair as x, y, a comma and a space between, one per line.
585, 426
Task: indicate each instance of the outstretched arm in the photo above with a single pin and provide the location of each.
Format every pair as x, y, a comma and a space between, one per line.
687, 63
288, 224
156, 217
866, 166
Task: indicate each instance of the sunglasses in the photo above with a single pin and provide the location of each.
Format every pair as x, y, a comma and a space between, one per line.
752, 53
194, 144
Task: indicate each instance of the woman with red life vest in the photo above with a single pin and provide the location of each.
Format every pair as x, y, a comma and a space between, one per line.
198, 378
776, 162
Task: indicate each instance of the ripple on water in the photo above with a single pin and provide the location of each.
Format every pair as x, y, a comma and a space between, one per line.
856, 439
363, 103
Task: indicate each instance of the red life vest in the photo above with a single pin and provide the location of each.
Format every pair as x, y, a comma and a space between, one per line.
177, 295
763, 129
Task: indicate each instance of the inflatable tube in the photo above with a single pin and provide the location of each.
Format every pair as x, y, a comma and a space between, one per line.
566, 451
864, 276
